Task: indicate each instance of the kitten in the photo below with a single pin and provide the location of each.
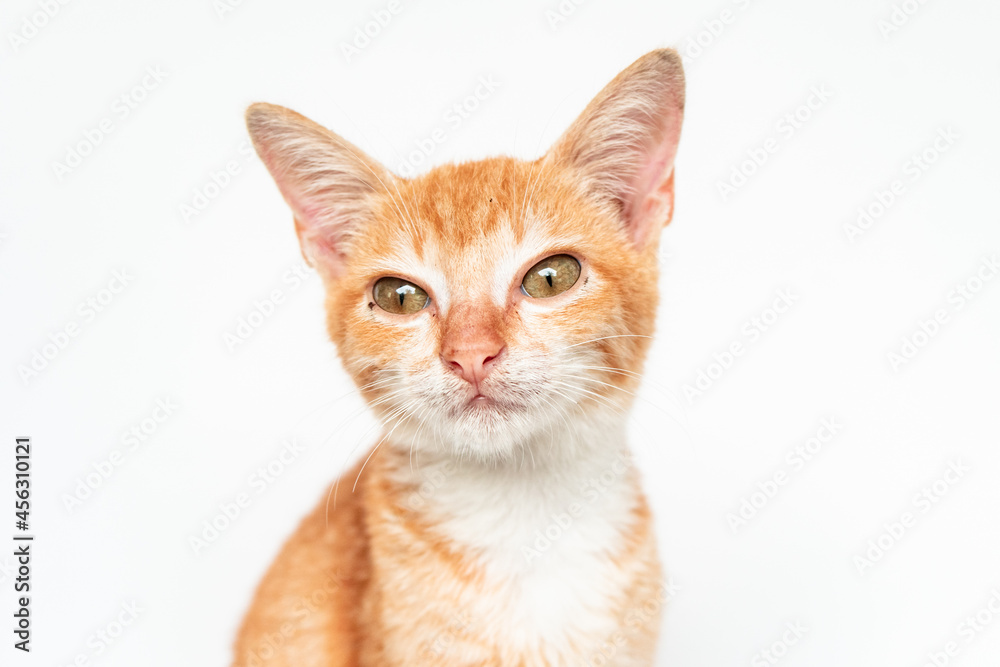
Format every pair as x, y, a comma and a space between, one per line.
495, 315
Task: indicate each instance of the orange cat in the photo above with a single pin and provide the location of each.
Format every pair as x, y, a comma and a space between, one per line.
495, 315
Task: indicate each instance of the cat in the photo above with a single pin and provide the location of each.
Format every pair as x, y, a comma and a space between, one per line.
495, 315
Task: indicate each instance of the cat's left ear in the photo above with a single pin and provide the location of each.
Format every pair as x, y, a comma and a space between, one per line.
622, 147
329, 183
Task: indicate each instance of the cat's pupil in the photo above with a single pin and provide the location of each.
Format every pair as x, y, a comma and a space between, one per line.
404, 292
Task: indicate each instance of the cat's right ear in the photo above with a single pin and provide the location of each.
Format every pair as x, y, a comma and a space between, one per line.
621, 149
328, 182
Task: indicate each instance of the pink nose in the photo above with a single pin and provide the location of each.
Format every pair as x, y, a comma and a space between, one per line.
473, 364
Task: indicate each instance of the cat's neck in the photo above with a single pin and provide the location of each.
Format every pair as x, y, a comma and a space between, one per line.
582, 474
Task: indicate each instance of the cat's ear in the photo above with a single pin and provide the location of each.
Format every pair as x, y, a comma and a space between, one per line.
622, 147
328, 182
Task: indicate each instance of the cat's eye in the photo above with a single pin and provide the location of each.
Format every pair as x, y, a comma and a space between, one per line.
395, 295
551, 276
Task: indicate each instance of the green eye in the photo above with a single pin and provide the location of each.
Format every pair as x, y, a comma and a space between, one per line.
395, 295
551, 276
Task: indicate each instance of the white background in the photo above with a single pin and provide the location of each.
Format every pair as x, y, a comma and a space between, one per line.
725, 260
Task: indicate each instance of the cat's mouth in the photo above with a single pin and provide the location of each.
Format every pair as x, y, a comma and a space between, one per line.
484, 403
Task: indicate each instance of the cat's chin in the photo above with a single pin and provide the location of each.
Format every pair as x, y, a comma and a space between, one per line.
487, 427
495, 425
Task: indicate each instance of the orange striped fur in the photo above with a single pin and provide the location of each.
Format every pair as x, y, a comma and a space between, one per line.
498, 521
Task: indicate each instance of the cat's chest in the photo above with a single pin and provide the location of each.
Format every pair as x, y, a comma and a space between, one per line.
566, 598
543, 556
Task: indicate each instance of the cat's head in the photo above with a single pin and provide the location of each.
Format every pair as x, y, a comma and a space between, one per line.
483, 306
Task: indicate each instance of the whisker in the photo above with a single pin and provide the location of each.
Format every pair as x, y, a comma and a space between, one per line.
594, 340
380, 422
639, 396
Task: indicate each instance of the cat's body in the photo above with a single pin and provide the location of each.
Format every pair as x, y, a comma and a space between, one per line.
498, 521
460, 591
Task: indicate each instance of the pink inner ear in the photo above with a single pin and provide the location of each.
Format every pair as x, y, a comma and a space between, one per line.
320, 252
651, 200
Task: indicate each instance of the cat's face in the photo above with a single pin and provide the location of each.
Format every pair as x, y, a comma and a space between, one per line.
485, 306
483, 364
